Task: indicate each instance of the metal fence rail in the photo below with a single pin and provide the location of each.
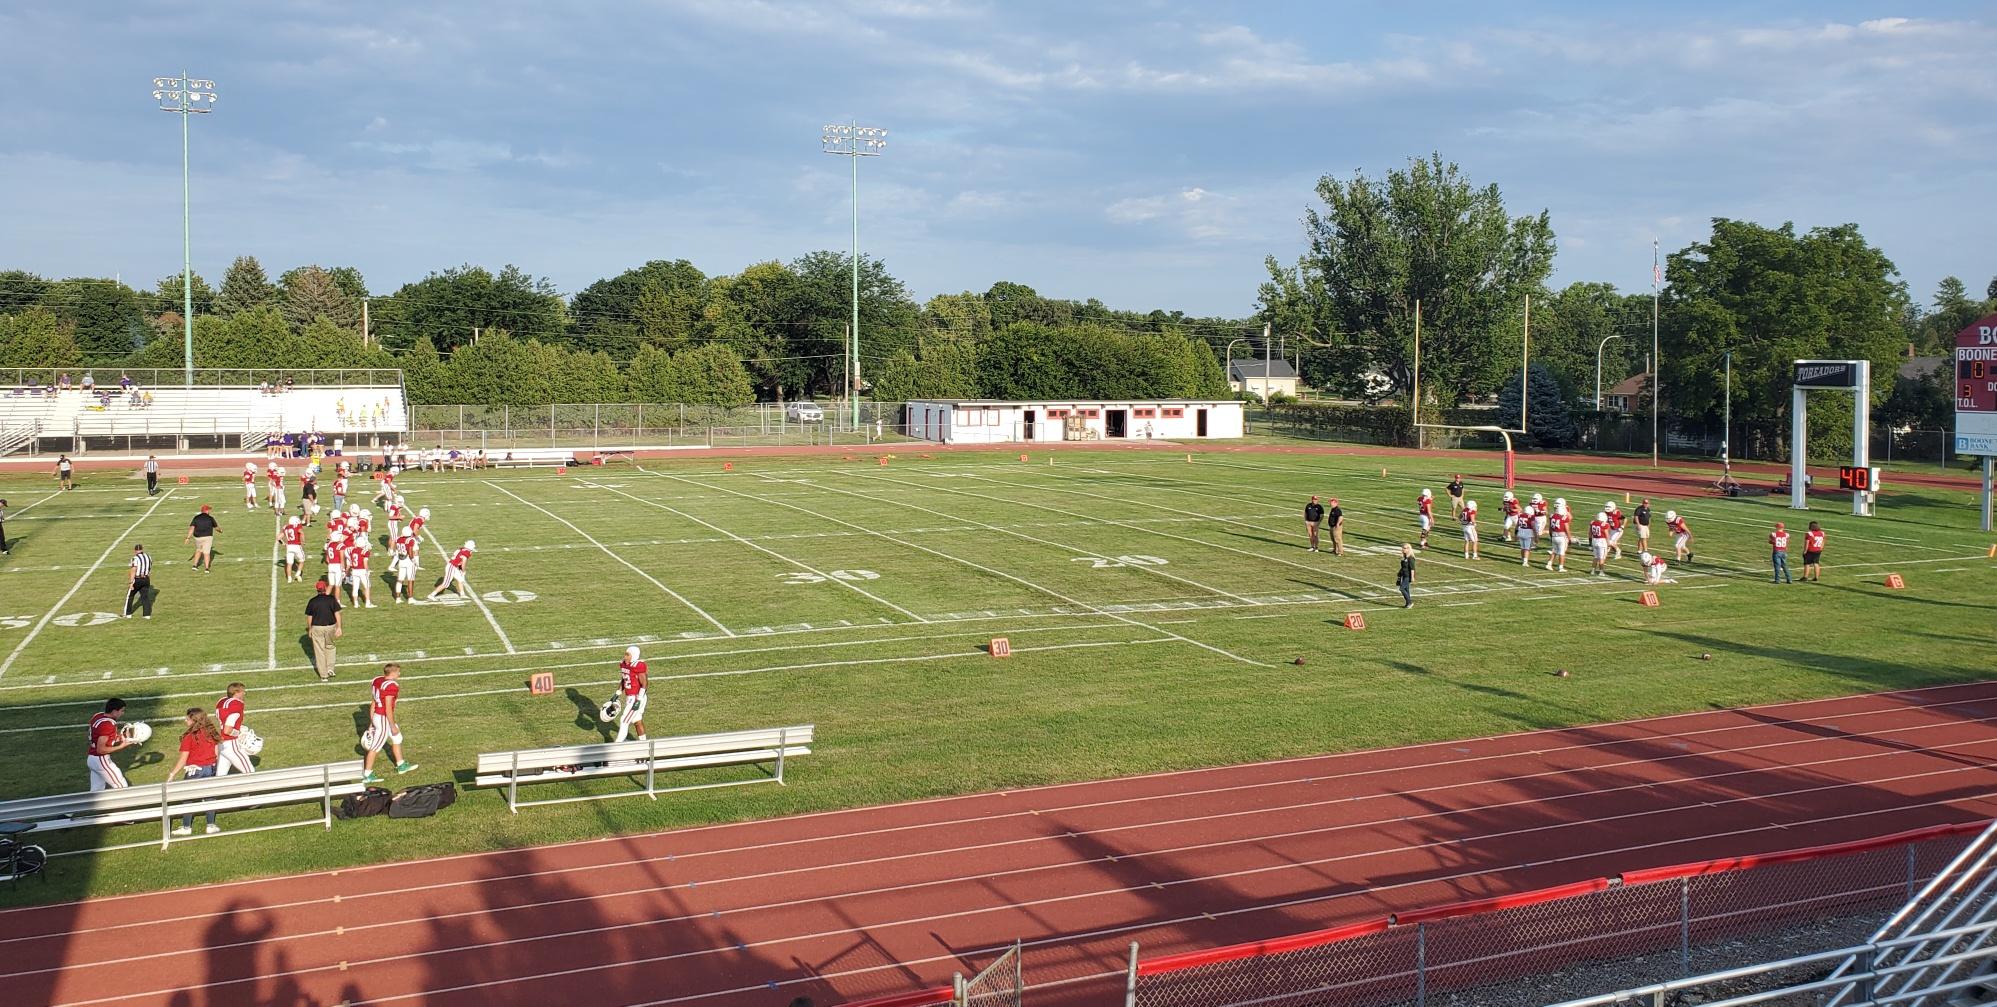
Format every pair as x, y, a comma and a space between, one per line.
613, 425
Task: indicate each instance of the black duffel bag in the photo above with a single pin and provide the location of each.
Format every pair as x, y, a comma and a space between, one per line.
423, 801
372, 801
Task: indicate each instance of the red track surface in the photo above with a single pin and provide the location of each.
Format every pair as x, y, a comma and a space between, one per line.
875, 900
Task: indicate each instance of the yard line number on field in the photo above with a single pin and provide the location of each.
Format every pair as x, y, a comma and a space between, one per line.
607, 551
78, 586
973, 565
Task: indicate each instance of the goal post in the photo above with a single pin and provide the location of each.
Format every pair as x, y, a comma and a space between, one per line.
1525, 386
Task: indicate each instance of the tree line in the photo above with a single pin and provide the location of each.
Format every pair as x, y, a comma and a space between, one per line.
660, 332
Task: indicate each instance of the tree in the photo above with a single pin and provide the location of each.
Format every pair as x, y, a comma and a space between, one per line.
21, 290
649, 378
1772, 297
1924, 403
167, 297
664, 316
245, 287
1991, 290
889, 318
1008, 302
423, 373
1420, 235
36, 338
1953, 309
605, 313
966, 316
710, 375
446, 307
1549, 424
1569, 326
312, 292
109, 317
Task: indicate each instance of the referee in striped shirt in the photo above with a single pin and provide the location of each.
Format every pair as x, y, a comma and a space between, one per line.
141, 582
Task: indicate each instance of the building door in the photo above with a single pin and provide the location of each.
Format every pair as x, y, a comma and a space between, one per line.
1029, 424
1114, 423
1200, 423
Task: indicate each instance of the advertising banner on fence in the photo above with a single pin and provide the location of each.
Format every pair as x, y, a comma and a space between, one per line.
1976, 388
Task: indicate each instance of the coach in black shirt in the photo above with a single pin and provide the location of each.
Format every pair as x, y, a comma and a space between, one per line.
1313, 513
201, 531
322, 626
1334, 519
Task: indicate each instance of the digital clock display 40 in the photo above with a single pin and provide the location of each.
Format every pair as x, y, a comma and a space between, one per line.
1854, 478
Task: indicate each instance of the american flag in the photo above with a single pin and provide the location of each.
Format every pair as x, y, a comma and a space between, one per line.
1656, 273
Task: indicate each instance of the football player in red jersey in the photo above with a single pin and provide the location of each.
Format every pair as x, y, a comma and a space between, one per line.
1425, 515
1562, 523
292, 535
1468, 515
1598, 543
1681, 535
229, 714
250, 485
1616, 521
1511, 512
403, 565
360, 585
106, 738
383, 726
1813, 553
631, 673
454, 571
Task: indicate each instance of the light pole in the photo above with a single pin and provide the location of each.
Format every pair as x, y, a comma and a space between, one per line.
855, 141
1598, 368
1727, 425
183, 95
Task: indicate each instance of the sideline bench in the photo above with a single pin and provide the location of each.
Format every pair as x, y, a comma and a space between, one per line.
529, 457
166, 801
642, 758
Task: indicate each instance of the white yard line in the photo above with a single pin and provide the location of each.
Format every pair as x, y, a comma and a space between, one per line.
607, 551
470, 590
849, 585
32, 506
270, 646
1089, 553
730, 673
78, 586
980, 566
1319, 570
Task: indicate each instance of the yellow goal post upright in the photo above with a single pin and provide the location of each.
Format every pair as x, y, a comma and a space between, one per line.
1525, 377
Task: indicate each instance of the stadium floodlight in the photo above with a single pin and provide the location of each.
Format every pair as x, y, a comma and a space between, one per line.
855, 141
185, 96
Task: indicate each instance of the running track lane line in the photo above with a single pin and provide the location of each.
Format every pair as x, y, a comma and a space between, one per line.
904, 543
734, 945
1845, 700
607, 551
987, 821
78, 586
1261, 837
491, 620
760, 548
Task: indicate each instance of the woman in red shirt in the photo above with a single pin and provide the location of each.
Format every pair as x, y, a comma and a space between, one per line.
198, 757
1813, 553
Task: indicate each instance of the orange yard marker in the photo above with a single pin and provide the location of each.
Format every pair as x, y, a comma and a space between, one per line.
727, 466
1992, 554
1649, 599
542, 684
1894, 581
1000, 647
1355, 620
1993, 549
1022, 458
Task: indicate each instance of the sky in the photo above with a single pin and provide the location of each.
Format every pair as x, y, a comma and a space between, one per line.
1149, 153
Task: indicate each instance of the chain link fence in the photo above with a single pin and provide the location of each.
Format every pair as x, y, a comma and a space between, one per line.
1000, 984
1653, 925
609, 426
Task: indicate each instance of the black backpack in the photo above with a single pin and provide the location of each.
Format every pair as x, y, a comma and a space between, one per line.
372, 801
423, 801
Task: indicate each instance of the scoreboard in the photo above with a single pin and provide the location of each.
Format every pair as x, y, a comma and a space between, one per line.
1976, 388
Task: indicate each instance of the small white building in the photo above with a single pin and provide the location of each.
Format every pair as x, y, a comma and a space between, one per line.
1262, 377
978, 421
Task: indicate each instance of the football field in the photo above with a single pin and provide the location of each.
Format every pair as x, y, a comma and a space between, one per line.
1161, 613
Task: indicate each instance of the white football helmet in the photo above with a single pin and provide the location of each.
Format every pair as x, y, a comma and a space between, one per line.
354, 509
608, 711
296, 520
1426, 495
1671, 515
631, 652
249, 466
1469, 505
1536, 498
424, 513
1644, 558
249, 741
471, 546
1602, 516
1509, 497
138, 732
280, 470
367, 515
1609, 507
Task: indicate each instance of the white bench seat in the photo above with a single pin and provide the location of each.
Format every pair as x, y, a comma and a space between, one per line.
647, 758
528, 457
171, 799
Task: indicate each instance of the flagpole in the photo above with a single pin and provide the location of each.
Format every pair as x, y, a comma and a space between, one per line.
1657, 361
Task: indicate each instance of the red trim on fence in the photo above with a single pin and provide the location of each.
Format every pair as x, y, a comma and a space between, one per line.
919, 998
1497, 902
1256, 949
1726, 864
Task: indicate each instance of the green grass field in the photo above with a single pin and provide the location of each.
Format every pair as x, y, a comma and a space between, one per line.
1155, 608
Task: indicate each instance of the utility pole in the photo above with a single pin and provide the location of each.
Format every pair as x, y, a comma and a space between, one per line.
183, 96
854, 141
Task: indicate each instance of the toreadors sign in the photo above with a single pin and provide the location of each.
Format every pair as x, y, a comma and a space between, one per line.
1976, 388
1826, 374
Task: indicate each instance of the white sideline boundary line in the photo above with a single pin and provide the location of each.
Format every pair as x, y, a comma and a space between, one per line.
78, 586
760, 548
1298, 760
1010, 906
726, 673
607, 551
1319, 570
265, 689
991, 876
490, 619
979, 566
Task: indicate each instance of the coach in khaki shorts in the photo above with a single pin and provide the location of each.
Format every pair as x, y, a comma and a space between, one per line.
322, 626
201, 531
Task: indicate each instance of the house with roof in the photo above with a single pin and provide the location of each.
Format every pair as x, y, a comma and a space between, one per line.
1262, 376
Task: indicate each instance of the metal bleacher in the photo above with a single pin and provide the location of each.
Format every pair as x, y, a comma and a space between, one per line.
213, 413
